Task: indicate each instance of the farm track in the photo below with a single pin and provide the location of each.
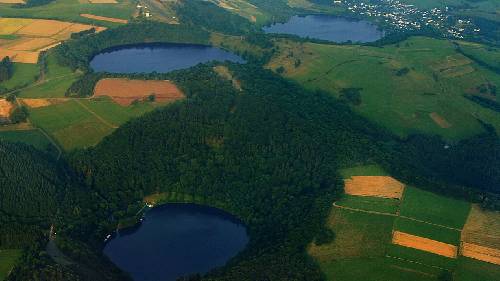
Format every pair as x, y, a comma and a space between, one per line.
394, 215
96, 115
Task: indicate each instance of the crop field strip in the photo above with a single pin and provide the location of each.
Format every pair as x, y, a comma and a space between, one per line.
33, 36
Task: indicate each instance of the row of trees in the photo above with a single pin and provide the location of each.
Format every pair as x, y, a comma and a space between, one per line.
6, 69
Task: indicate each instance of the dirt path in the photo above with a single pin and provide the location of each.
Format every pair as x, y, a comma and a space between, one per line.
96, 115
394, 215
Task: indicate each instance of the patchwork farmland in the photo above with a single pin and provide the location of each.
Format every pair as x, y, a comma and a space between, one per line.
416, 236
28, 37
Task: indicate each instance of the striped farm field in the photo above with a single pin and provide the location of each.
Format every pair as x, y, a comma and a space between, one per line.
126, 91
424, 244
28, 37
375, 186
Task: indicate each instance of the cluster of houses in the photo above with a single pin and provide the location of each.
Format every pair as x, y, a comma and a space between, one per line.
403, 16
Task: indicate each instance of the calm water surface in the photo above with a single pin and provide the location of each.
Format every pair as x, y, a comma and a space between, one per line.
331, 28
162, 58
176, 240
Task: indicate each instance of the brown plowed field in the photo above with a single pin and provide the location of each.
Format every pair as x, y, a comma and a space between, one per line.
94, 17
480, 253
124, 91
439, 120
424, 244
5, 108
376, 186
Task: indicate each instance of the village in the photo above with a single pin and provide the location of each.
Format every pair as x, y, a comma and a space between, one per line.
406, 17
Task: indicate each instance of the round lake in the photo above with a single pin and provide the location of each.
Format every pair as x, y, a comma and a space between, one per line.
330, 28
162, 58
175, 240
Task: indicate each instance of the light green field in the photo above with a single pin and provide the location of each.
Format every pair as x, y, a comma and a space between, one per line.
56, 81
429, 207
436, 81
8, 259
366, 203
364, 170
33, 137
433, 232
70, 10
70, 124
24, 74
425, 258
80, 123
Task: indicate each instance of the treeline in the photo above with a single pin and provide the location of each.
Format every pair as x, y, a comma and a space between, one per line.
33, 3
6, 69
78, 53
212, 17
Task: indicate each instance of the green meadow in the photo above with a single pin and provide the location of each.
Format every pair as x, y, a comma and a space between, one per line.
8, 259
33, 137
24, 74
399, 86
70, 10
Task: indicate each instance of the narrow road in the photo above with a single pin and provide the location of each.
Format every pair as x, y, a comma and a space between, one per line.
394, 215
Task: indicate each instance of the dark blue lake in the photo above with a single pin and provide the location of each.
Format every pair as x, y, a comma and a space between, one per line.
176, 240
162, 58
330, 28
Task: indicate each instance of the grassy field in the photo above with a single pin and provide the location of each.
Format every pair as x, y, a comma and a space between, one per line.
56, 81
33, 137
433, 232
8, 259
365, 170
398, 86
427, 206
79, 123
366, 203
473, 270
70, 10
24, 74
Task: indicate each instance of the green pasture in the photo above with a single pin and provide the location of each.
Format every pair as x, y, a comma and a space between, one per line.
367, 203
363, 170
70, 10
70, 124
24, 74
8, 259
474, 270
433, 232
399, 85
424, 258
433, 208
33, 137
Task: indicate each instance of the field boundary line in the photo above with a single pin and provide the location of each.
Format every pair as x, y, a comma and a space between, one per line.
96, 115
394, 215
415, 262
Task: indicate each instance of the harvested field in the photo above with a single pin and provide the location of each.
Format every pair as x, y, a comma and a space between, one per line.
482, 228
424, 244
480, 253
5, 108
44, 28
376, 186
35, 35
32, 44
124, 91
36, 103
440, 121
94, 17
11, 1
